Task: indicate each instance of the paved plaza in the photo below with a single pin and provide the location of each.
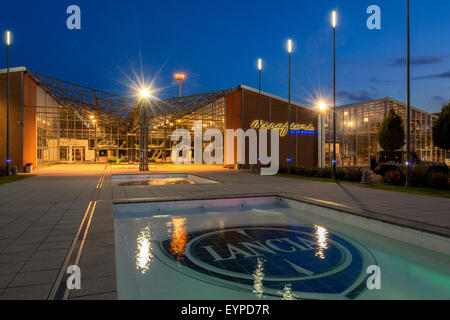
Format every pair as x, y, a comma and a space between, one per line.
64, 216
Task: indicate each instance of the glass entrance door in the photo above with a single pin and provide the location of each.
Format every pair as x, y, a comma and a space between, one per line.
78, 154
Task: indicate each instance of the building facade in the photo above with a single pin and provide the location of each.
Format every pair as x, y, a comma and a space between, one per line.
357, 126
53, 121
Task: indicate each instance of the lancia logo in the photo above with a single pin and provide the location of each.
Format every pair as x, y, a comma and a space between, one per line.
306, 262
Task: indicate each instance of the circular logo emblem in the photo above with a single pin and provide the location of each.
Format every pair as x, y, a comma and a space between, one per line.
288, 261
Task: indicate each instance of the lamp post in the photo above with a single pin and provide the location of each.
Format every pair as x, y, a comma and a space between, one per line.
8, 43
180, 77
289, 48
143, 105
259, 92
408, 100
321, 135
259, 99
94, 121
334, 21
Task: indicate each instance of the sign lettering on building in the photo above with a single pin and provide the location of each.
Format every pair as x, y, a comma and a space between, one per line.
296, 128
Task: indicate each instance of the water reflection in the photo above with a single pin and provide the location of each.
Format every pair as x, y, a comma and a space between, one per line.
143, 252
258, 275
178, 237
156, 182
321, 241
287, 293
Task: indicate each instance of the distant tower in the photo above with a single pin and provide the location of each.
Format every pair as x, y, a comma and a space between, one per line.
180, 77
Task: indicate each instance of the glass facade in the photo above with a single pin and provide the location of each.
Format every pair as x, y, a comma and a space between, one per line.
66, 134
211, 115
357, 126
70, 134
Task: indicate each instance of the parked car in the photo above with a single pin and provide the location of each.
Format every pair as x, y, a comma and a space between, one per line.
391, 160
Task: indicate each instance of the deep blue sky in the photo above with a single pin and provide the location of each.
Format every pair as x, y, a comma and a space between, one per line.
217, 43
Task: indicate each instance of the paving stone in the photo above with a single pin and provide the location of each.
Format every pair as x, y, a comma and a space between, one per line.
5, 279
15, 257
55, 245
10, 267
102, 296
39, 292
48, 254
34, 278
43, 264
95, 286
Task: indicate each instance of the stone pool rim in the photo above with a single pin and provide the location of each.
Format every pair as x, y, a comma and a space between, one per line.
165, 173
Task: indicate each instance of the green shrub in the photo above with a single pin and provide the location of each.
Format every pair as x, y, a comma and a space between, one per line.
441, 128
437, 180
419, 176
435, 176
391, 135
325, 172
340, 173
430, 176
300, 171
352, 174
311, 172
396, 177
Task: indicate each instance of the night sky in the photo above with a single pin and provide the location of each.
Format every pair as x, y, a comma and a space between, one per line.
217, 43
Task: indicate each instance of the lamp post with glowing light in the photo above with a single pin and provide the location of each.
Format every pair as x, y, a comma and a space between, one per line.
322, 107
180, 77
259, 92
334, 22
144, 109
259, 98
289, 48
8, 43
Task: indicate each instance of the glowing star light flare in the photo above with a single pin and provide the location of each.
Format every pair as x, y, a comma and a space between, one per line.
144, 93
8, 38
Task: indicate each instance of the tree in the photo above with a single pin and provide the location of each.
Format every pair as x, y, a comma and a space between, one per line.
441, 128
392, 132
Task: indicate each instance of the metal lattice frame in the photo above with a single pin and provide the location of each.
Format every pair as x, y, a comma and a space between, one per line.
176, 108
119, 119
80, 97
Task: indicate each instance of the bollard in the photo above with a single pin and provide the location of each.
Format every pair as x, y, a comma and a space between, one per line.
365, 177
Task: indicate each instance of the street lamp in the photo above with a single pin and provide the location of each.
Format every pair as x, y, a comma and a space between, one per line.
408, 101
144, 109
259, 93
8, 43
334, 22
144, 94
180, 77
289, 48
322, 107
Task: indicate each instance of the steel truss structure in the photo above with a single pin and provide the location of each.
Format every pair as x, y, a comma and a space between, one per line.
180, 113
77, 123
